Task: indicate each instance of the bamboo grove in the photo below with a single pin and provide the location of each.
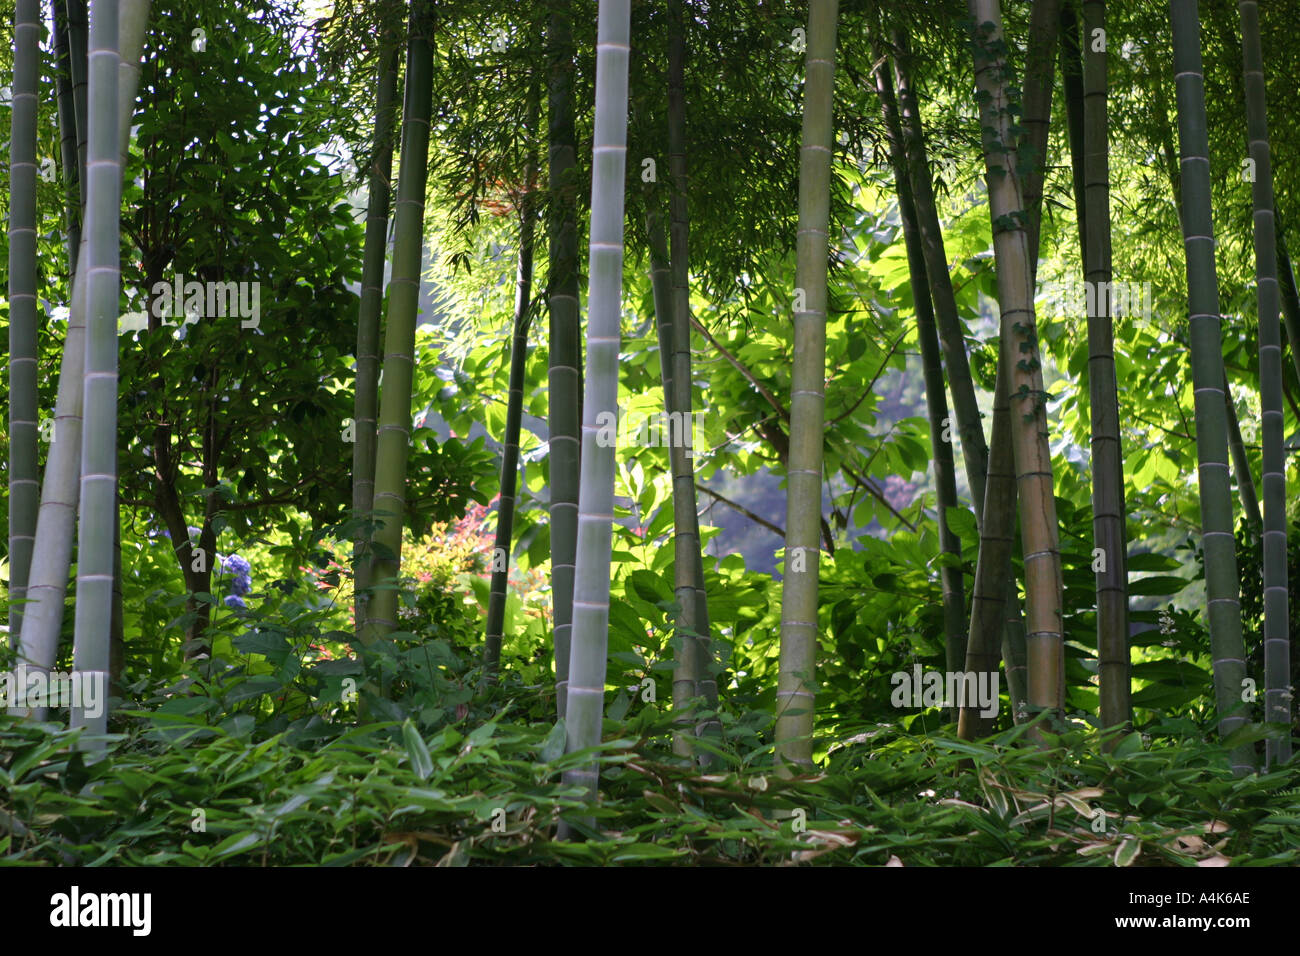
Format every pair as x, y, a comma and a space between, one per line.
764, 218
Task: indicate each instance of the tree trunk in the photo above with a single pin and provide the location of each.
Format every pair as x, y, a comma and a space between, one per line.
1277, 642
394, 435
564, 376
799, 630
1223, 597
1029, 435
366, 400
24, 471
954, 616
586, 692
514, 417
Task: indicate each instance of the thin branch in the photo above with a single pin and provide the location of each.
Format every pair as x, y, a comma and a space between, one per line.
742, 509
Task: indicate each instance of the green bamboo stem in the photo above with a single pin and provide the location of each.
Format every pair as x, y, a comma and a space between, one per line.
1040, 64
588, 652
98, 490
687, 659
24, 487
692, 676
1241, 461
55, 521
1277, 642
392, 444
514, 418
366, 400
950, 577
1223, 599
67, 137
564, 374
1108, 508
1072, 84
1289, 294
992, 600
795, 696
997, 613
77, 54
1029, 435
975, 450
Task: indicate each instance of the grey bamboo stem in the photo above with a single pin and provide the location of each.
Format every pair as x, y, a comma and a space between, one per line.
588, 653
24, 486
1108, 508
564, 376
98, 492
1223, 598
1277, 641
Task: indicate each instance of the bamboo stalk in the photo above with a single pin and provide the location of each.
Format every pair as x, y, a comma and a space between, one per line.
1029, 434
98, 491
55, 521
795, 696
954, 616
1108, 508
564, 376
366, 398
24, 486
1277, 642
588, 653
394, 434
514, 418
1224, 605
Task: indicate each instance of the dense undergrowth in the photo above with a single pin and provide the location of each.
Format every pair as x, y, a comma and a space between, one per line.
175, 788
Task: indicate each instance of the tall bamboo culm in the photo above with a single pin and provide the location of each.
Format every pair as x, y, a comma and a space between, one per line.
366, 398
1108, 510
496, 615
564, 375
1277, 640
936, 402
394, 432
693, 675
60, 486
1223, 598
24, 486
98, 492
796, 681
1039, 529
588, 652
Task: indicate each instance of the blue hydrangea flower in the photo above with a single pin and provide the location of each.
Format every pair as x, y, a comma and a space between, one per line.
240, 581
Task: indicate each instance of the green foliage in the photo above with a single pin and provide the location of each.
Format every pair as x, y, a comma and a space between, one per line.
179, 790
